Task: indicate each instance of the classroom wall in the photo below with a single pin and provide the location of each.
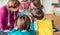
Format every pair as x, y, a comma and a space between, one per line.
47, 5
3, 2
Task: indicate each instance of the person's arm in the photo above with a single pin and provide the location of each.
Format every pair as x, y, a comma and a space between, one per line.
12, 32
36, 27
1, 18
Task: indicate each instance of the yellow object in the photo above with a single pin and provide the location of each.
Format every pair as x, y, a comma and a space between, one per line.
45, 27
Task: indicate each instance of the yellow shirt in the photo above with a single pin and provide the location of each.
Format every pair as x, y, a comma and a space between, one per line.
45, 27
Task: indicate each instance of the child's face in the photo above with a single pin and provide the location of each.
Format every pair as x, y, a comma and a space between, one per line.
32, 6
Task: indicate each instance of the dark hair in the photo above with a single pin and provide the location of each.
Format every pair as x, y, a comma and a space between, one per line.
13, 4
32, 0
37, 4
37, 13
24, 22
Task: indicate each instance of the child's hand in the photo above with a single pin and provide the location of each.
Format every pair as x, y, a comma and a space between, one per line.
6, 30
8, 24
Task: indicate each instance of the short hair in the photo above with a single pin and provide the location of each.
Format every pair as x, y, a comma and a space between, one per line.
32, 0
37, 13
13, 4
25, 0
37, 4
24, 22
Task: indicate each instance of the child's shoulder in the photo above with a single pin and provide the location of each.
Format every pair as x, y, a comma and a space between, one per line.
43, 21
22, 33
12, 31
48, 19
32, 32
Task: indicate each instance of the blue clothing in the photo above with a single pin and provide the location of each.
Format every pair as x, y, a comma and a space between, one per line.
1, 32
24, 12
18, 32
30, 32
32, 26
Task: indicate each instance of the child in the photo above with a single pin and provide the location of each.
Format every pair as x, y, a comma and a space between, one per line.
23, 27
35, 4
8, 15
43, 26
24, 6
